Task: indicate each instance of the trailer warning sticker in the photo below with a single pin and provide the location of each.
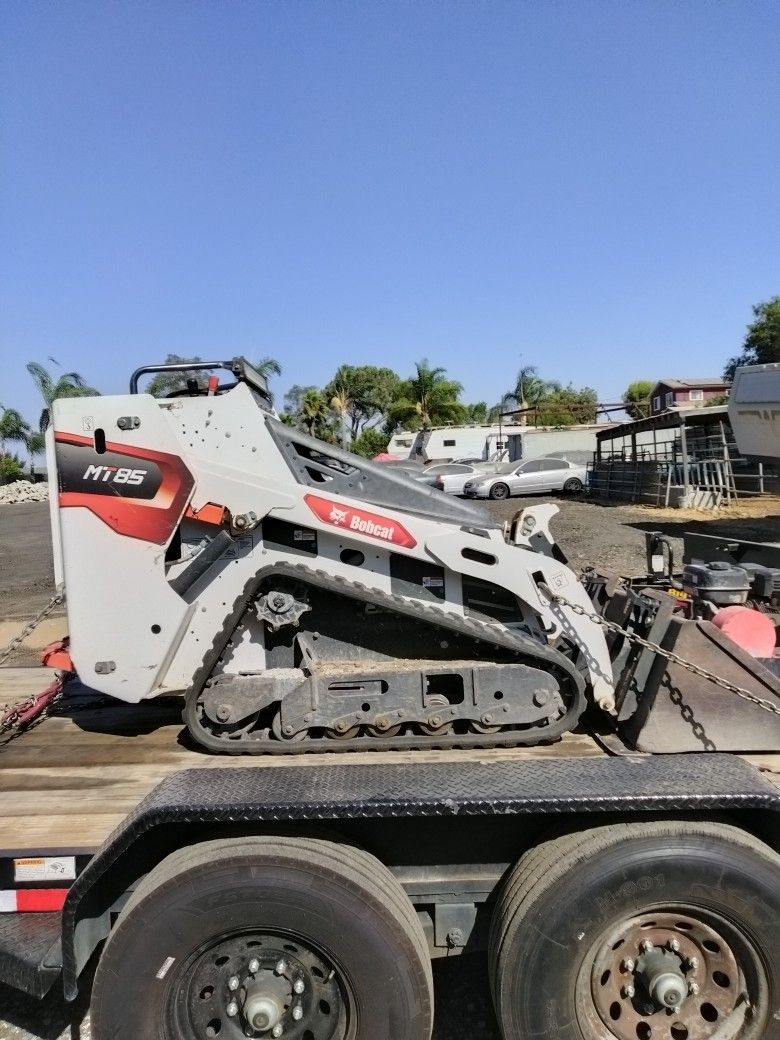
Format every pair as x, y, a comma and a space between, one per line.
372, 524
45, 868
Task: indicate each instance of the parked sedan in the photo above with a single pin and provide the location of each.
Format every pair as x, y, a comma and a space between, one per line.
454, 483
430, 475
529, 478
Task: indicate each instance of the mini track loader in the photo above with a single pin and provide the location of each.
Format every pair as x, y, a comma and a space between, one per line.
302, 598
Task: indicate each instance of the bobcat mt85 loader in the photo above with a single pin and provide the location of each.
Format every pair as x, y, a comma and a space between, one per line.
301, 598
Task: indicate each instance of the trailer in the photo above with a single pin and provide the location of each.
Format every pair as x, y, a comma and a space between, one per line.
446, 443
605, 895
576, 443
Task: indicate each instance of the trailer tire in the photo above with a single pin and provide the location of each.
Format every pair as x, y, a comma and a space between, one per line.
316, 936
568, 954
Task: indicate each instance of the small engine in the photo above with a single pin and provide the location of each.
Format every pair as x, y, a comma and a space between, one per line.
714, 585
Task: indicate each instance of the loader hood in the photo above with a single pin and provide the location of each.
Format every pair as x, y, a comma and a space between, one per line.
326, 468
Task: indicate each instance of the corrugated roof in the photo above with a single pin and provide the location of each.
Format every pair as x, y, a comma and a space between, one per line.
686, 384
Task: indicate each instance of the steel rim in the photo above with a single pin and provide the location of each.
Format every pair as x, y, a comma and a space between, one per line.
672, 974
262, 985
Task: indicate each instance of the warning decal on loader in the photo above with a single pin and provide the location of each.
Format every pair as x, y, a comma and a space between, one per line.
372, 524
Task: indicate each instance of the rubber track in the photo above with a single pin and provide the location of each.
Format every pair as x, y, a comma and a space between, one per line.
469, 627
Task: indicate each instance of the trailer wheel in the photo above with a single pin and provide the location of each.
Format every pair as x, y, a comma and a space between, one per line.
499, 491
269, 937
647, 931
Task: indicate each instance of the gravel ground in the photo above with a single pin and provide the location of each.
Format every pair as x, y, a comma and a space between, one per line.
607, 536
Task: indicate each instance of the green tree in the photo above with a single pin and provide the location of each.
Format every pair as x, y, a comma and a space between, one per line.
36, 442
529, 390
567, 406
11, 469
762, 339
294, 397
315, 416
337, 394
369, 443
69, 384
477, 412
363, 393
13, 428
427, 399
164, 383
636, 398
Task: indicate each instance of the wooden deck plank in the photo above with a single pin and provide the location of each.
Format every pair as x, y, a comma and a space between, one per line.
68, 782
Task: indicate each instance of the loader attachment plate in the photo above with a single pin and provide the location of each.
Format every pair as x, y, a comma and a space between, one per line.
678, 710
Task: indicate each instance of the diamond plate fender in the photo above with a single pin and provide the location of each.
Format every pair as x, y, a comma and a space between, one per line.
674, 784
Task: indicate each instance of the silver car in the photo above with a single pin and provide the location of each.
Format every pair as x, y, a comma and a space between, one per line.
529, 478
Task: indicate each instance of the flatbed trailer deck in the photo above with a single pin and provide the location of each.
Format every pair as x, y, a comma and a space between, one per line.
122, 789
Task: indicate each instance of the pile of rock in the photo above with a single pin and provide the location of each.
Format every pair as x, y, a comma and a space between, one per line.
23, 491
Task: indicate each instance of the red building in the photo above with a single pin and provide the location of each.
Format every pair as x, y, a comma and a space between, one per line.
685, 393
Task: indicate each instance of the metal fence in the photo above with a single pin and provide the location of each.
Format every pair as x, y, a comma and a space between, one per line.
697, 465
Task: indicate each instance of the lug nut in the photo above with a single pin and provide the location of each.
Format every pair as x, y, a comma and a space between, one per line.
254, 966
645, 946
281, 967
297, 1012
299, 986
233, 983
277, 1030
232, 1009
628, 991
693, 963
693, 988
673, 945
627, 964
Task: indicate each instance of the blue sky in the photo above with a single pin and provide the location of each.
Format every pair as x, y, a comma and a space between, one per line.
590, 187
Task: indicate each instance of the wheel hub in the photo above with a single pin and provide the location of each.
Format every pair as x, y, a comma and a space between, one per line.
264, 987
665, 976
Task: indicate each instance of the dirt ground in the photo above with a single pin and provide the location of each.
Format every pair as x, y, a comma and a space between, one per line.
590, 532
604, 535
607, 536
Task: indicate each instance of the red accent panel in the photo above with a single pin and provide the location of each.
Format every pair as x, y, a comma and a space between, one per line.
57, 655
40, 900
153, 521
208, 514
359, 521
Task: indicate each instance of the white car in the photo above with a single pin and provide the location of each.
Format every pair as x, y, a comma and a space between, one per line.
529, 478
454, 483
457, 470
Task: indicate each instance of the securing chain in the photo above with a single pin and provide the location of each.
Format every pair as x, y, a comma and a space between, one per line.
28, 630
27, 713
669, 655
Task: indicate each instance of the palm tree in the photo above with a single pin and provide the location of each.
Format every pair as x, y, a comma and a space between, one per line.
12, 428
313, 411
529, 391
267, 367
428, 398
69, 384
341, 402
